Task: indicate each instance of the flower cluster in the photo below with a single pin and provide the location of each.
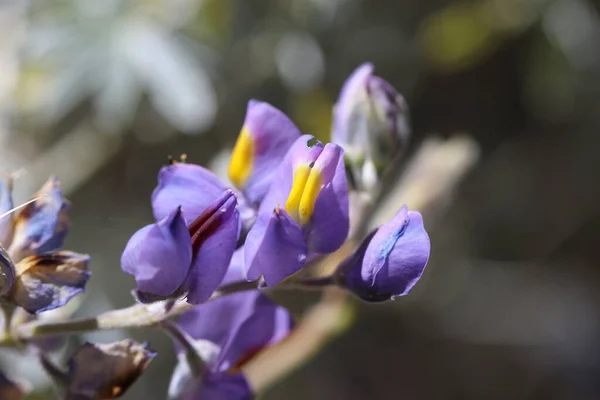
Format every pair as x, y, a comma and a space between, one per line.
285, 206
36, 275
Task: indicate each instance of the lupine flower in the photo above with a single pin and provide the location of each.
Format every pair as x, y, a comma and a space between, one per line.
41, 226
390, 261
10, 389
227, 333
172, 256
106, 371
370, 122
266, 136
34, 275
304, 212
49, 281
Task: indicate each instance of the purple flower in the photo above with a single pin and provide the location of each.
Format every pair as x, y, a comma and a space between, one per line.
106, 371
390, 261
41, 277
172, 257
370, 122
265, 138
41, 226
49, 281
227, 332
304, 212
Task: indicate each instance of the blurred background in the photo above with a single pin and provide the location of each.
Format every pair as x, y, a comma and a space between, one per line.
101, 92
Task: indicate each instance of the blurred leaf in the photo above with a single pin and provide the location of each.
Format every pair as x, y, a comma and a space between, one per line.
312, 112
178, 86
113, 52
550, 83
458, 37
216, 20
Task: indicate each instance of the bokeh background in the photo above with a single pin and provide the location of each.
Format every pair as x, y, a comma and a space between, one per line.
100, 92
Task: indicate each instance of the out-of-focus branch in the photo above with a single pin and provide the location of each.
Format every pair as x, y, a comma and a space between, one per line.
140, 315
85, 147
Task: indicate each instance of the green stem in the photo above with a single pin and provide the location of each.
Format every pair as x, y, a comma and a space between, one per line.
194, 360
142, 315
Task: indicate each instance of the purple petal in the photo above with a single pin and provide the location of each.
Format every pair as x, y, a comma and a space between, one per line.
370, 119
330, 220
275, 248
159, 256
235, 272
241, 324
41, 226
392, 114
304, 151
219, 386
270, 134
215, 238
403, 267
391, 260
106, 371
6, 204
49, 281
350, 126
190, 186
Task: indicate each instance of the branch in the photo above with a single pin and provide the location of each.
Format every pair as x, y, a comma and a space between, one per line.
141, 315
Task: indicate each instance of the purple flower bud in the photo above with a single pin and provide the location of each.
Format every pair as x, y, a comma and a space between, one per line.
305, 210
41, 226
238, 327
265, 138
106, 371
49, 281
370, 122
390, 261
169, 257
11, 389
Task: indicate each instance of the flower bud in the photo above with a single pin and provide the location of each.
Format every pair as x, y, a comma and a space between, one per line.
390, 260
41, 226
370, 122
106, 371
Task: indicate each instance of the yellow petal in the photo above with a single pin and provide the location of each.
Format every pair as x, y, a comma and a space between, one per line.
301, 175
309, 195
242, 159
